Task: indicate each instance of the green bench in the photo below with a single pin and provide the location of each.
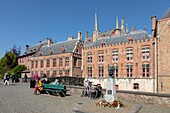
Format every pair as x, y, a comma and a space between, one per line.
54, 89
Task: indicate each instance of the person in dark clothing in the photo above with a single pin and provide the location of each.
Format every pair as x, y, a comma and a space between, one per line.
13, 78
44, 75
25, 78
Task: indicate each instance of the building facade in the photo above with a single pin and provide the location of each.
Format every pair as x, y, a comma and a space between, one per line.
161, 32
59, 59
131, 54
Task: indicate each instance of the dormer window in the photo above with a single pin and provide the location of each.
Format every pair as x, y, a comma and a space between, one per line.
130, 38
51, 52
102, 43
63, 49
40, 53
31, 50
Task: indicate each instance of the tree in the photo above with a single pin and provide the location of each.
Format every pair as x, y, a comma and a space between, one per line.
18, 69
11, 60
16, 51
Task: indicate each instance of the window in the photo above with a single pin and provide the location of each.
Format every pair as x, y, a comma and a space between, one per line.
135, 86
75, 62
116, 70
36, 64
42, 63
54, 62
89, 57
129, 68
48, 73
67, 61
67, 72
115, 55
60, 72
32, 73
145, 70
129, 53
101, 56
101, 71
60, 61
145, 52
89, 69
54, 72
32, 66
48, 63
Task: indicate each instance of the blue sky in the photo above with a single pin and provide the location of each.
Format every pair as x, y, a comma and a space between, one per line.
30, 21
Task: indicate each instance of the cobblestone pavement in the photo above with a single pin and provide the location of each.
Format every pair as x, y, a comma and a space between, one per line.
19, 98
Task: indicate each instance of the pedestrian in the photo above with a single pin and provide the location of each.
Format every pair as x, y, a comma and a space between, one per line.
44, 75
13, 77
25, 78
35, 76
6, 79
38, 86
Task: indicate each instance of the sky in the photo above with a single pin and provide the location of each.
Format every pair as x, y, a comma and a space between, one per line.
25, 22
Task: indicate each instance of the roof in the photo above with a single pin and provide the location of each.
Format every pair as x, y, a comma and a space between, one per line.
32, 48
138, 35
167, 14
68, 45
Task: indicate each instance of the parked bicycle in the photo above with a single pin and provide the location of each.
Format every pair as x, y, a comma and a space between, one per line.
92, 91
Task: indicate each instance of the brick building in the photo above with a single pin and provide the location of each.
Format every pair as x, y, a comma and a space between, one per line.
131, 54
59, 59
161, 32
28, 54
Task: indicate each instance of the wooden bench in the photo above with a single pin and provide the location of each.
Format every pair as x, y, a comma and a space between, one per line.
54, 89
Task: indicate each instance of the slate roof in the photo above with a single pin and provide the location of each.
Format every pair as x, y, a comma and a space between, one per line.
167, 14
138, 35
31, 49
69, 46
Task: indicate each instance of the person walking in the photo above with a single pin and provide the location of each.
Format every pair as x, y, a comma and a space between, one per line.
6, 79
25, 78
44, 75
13, 77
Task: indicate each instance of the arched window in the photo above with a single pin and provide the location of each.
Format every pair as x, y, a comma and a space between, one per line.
89, 69
145, 52
89, 57
129, 68
101, 71
145, 70
101, 56
115, 54
129, 53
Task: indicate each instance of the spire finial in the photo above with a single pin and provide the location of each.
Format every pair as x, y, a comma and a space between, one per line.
144, 27
96, 23
127, 28
122, 26
117, 25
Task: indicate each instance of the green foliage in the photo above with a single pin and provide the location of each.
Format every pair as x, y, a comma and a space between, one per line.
8, 62
18, 69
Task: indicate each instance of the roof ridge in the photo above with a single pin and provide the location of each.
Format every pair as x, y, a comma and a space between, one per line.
164, 15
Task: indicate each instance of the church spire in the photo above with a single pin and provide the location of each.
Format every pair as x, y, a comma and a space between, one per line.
96, 23
117, 25
122, 25
127, 28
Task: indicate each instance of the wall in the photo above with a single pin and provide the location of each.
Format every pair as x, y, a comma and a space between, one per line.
141, 97
163, 37
127, 84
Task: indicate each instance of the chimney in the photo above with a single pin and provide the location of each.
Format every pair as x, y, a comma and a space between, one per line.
49, 41
133, 29
70, 37
27, 47
87, 33
79, 36
153, 18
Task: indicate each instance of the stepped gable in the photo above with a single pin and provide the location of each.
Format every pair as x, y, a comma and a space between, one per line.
57, 48
167, 14
138, 35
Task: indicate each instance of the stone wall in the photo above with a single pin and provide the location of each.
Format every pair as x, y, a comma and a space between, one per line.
141, 97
